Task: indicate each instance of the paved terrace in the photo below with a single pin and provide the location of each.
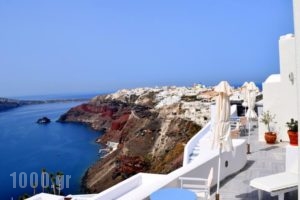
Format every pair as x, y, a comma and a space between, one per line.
265, 159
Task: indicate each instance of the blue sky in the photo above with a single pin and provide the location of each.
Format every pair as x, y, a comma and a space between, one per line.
70, 46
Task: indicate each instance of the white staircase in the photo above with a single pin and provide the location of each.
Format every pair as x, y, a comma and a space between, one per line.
204, 144
201, 148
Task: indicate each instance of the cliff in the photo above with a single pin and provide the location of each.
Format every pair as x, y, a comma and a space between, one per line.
149, 125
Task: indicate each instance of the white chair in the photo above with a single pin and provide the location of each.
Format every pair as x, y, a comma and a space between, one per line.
201, 186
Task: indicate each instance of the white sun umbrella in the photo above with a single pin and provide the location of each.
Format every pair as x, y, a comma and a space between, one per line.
252, 91
244, 95
221, 126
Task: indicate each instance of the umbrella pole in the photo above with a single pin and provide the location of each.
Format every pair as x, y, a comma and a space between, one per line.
248, 145
219, 172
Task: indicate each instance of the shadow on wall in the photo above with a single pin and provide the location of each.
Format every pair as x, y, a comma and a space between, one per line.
269, 148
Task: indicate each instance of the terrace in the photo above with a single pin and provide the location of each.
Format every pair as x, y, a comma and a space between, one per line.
265, 159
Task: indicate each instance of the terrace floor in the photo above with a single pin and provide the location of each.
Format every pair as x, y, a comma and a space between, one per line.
265, 159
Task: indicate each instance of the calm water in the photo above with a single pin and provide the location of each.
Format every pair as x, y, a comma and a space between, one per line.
28, 147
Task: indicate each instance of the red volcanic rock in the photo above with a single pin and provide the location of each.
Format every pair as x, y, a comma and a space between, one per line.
107, 115
119, 123
107, 112
128, 166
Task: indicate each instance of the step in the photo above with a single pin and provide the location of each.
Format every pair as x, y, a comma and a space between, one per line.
197, 148
193, 157
196, 151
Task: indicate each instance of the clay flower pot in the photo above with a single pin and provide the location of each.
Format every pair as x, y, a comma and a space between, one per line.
270, 137
293, 135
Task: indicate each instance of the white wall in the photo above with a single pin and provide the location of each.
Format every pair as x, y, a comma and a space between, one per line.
199, 168
279, 92
297, 33
236, 161
271, 100
289, 93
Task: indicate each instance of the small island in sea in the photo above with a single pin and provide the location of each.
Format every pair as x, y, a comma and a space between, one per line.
43, 120
146, 130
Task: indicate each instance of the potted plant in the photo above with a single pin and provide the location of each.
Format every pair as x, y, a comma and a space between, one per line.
293, 131
267, 118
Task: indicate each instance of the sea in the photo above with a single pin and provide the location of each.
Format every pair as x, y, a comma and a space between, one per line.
27, 147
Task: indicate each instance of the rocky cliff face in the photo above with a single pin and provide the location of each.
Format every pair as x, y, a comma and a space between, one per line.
150, 126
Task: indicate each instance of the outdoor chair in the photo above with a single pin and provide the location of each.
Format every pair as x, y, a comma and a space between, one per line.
242, 126
234, 128
234, 134
201, 186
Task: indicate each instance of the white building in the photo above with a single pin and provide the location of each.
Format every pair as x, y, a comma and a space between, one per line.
289, 68
296, 7
280, 91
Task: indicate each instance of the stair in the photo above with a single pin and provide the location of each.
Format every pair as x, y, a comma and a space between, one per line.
198, 149
205, 143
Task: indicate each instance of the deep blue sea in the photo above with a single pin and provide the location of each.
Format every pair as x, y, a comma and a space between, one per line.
26, 147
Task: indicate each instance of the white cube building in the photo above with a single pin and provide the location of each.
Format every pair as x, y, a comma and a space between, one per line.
280, 90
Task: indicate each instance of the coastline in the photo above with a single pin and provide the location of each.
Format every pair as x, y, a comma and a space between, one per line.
7, 104
65, 144
149, 125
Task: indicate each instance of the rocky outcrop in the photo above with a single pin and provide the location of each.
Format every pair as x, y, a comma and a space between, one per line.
151, 127
43, 120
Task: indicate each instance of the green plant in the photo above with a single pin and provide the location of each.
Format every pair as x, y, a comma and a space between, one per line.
43, 178
59, 175
267, 118
292, 125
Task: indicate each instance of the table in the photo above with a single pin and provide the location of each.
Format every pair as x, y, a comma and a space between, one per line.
174, 194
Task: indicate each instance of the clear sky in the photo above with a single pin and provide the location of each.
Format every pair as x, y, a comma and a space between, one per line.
69, 46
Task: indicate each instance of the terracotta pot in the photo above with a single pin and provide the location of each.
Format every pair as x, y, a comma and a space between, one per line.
293, 135
270, 137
